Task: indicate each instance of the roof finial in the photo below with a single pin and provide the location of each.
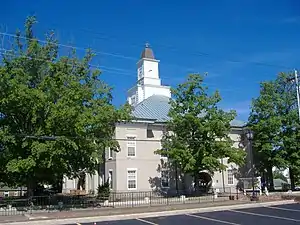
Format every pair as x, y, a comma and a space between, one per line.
147, 45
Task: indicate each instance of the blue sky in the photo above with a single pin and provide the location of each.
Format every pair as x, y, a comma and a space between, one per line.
228, 39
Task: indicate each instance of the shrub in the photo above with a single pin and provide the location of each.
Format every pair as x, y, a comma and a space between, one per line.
103, 191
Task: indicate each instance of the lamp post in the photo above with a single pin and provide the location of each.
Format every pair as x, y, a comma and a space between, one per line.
249, 135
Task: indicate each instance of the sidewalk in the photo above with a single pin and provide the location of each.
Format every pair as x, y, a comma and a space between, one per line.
115, 211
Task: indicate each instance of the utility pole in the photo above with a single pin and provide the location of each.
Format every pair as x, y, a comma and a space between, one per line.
297, 89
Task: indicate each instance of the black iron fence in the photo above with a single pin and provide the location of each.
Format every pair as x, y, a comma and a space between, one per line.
35, 204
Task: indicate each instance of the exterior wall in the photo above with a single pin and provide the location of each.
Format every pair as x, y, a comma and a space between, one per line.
111, 166
69, 184
147, 163
157, 90
151, 81
220, 179
149, 68
92, 181
132, 92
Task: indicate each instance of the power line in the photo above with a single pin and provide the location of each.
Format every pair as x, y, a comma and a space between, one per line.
134, 58
197, 53
67, 46
113, 70
102, 68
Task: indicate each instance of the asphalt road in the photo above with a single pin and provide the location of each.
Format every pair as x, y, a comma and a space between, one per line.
275, 215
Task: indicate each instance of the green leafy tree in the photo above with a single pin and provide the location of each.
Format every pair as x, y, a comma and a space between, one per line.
56, 115
265, 122
275, 123
198, 131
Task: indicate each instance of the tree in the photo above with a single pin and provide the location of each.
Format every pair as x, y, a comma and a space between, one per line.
265, 122
275, 123
198, 131
56, 115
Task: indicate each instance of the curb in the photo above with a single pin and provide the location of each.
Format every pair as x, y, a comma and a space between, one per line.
147, 215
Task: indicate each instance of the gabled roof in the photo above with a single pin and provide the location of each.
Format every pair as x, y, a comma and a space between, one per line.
157, 107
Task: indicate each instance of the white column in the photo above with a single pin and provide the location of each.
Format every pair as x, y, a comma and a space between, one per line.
86, 182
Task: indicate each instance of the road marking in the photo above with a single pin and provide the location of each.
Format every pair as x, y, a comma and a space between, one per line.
215, 220
291, 210
146, 221
264, 215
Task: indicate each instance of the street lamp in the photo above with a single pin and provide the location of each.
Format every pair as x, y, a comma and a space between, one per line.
249, 135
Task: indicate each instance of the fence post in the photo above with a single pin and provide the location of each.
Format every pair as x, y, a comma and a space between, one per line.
167, 199
49, 202
113, 199
132, 199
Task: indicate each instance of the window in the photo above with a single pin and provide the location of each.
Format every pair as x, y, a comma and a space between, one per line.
150, 133
6, 194
131, 146
133, 100
131, 179
110, 153
230, 176
165, 178
140, 72
110, 178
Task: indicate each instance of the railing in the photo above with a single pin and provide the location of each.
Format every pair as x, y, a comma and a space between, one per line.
59, 202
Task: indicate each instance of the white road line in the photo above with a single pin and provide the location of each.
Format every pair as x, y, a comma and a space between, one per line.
146, 221
264, 215
215, 220
285, 209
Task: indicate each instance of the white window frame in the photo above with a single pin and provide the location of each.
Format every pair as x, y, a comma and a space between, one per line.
140, 72
110, 178
110, 153
168, 178
136, 174
132, 144
231, 177
133, 99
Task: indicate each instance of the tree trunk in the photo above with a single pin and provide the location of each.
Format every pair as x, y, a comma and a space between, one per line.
292, 178
270, 179
30, 188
